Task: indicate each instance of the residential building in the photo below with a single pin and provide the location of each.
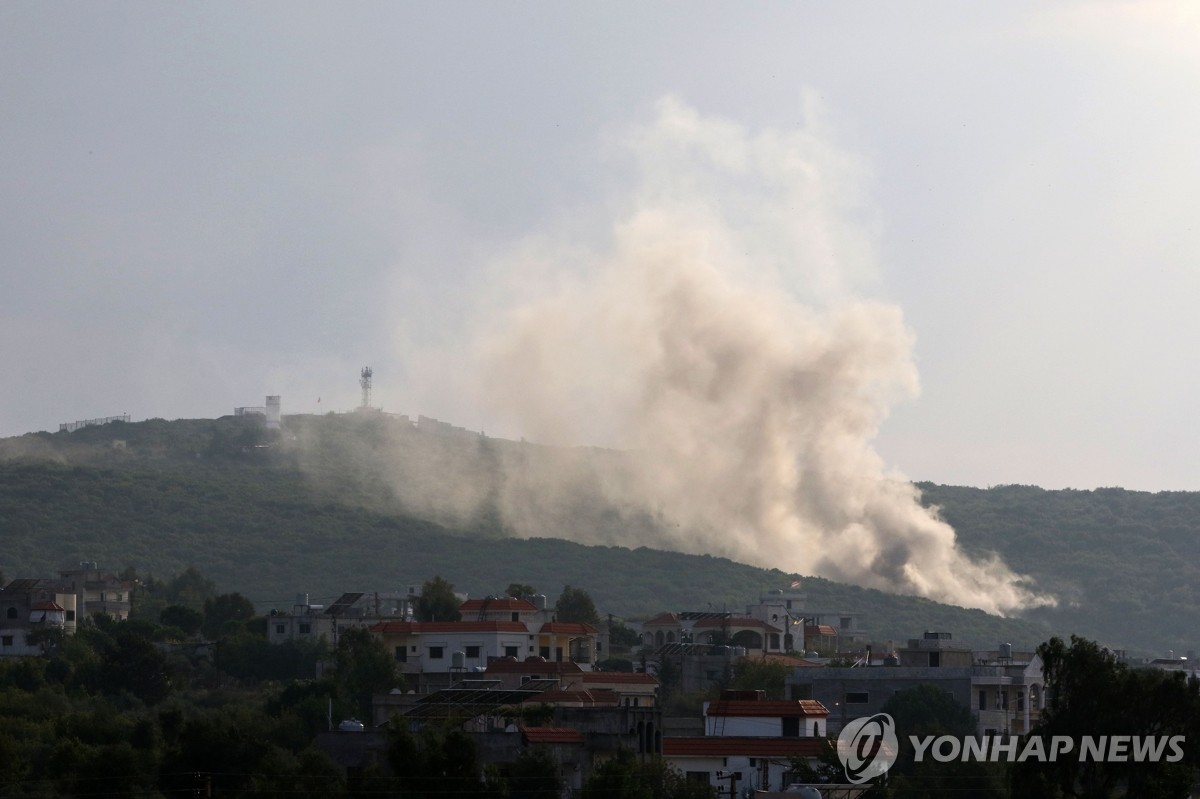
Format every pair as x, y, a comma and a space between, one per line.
749, 742
27, 605
316, 622
99, 592
1003, 690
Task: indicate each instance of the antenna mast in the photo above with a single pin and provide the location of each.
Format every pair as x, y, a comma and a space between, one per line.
364, 380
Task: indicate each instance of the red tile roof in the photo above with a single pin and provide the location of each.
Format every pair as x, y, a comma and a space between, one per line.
728, 746
667, 619
551, 735
820, 629
532, 666
567, 628
771, 708
500, 604
48, 605
420, 627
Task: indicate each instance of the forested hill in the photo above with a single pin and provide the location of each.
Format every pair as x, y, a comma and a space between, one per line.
270, 515
1126, 564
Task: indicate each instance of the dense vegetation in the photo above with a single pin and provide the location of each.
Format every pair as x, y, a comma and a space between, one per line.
310, 510
1125, 564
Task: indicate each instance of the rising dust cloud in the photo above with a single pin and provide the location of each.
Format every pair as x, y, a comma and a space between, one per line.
720, 341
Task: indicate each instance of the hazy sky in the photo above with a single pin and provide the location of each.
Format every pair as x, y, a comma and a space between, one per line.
205, 203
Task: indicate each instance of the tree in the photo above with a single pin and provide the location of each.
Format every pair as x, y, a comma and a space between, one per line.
575, 605
226, 608
186, 619
534, 775
1091, 693
437, 601
521, 591
190, 588
364, 667
625, 777
751, 675
927, 710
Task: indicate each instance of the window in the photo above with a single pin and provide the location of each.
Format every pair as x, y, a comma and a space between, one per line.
558, 653
516, 616
401, 654
6, 640
305, 628
791, 728
414, 649
983, 700
545, 652
845, 622
70, 615
436, 652
12, 613
280, 629
472, 652
935, 659
774, 638
1004, 700
512, 651
857, 697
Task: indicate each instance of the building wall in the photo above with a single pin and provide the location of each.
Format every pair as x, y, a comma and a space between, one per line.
852, 693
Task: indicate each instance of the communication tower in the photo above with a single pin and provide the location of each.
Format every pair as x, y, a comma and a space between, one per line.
364, 380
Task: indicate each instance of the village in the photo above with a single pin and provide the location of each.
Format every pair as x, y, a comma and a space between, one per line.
734, 699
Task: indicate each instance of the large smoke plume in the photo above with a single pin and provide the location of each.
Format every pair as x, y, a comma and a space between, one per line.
719, 339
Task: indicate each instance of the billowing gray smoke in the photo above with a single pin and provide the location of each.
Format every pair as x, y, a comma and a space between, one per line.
716, 339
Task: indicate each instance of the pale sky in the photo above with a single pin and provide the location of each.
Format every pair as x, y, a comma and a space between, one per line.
205, 203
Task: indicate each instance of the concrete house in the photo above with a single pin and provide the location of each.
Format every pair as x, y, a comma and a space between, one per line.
749, 742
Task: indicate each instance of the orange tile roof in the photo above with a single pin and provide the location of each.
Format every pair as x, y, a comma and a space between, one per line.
506, 603
551, 735
820, 629
669, 619
48, 605
771, 708
567, 628
728, 746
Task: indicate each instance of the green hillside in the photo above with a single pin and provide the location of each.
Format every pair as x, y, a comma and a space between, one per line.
1126, 564
272, 515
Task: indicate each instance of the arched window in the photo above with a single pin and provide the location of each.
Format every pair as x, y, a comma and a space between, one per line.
658, 638
670, 637
12, 613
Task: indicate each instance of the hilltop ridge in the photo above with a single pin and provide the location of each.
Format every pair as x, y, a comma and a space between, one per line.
272, 513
